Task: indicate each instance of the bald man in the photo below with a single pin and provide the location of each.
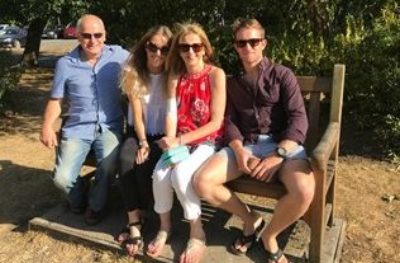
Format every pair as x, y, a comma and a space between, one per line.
87, 78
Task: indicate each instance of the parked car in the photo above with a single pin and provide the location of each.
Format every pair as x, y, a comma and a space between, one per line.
53, 32
70, 31
3, 28
13, 37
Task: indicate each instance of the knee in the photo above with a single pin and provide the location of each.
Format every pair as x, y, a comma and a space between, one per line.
307, 195
128, 150
62, 181
203, 184
305, 192
178, 183
126, 160
108, 165
159, 176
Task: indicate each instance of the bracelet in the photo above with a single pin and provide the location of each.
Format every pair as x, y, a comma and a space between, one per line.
143, 143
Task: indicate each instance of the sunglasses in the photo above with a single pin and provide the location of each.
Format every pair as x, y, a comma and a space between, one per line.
153, 48
89, 36
252, 41
196, 47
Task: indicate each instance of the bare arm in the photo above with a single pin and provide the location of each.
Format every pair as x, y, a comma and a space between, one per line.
48, 135
170, 140
140, 129
170, 120
218, 102
138, 122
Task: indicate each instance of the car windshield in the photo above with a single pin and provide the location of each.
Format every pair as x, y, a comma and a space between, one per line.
11, 32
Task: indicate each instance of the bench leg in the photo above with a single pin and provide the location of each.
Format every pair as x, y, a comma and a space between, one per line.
317, 222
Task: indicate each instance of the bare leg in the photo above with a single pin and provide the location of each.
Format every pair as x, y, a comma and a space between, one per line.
209, 185
156, 246
135, 226
134, 216
196, 247
299, 182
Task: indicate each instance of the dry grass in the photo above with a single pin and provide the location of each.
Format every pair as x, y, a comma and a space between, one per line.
26, 191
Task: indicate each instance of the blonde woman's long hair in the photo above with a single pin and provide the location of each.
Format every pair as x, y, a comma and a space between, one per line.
134, 79
174, 63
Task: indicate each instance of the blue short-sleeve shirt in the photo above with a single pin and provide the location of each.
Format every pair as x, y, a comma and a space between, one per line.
92, 93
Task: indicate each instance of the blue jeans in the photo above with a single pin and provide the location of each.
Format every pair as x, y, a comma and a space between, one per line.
71, 154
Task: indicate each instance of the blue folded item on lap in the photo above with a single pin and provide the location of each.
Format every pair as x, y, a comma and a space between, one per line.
175, 155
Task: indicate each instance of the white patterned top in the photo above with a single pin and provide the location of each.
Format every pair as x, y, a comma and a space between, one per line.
153, 106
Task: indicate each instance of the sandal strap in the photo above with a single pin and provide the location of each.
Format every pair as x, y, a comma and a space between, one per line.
275, 257
248, 241
255, 236
259, 229
137, 223
126, 229
135, 240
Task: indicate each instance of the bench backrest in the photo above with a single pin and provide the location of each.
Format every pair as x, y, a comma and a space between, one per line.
318, 91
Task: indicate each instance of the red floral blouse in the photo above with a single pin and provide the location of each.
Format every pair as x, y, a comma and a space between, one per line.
194, 102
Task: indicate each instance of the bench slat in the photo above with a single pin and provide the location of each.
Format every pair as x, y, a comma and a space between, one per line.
314, 84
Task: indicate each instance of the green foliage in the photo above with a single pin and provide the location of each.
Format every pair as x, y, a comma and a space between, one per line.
9, 77
307, 36
22, 12
373, 91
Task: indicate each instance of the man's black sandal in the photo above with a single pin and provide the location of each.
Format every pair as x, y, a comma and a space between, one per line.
247, 241
275, 257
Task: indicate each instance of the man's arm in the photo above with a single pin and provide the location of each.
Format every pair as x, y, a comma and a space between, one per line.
297, 125
233, 136
292, 100
48, 135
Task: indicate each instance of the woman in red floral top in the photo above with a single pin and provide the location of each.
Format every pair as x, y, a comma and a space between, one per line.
195, 112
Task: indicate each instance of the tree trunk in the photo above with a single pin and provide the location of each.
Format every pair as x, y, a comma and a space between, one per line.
31, 52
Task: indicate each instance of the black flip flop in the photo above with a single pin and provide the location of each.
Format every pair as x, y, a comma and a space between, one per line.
243, 240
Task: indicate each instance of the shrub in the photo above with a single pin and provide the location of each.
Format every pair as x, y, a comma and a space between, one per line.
373, 77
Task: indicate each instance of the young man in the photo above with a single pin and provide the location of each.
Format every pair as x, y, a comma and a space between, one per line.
88, 79
265, 128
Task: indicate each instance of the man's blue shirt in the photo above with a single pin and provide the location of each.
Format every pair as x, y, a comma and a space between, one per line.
92, 93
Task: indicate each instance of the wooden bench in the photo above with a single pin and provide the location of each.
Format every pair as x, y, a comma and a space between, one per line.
322, 145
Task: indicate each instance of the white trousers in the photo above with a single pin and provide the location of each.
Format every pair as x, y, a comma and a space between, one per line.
179, 178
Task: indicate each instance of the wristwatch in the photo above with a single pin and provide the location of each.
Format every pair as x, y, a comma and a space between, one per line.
281, 152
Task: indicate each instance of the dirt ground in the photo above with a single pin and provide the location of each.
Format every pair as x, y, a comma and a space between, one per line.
368, 189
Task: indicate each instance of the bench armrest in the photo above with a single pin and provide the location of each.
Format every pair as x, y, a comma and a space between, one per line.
322, 152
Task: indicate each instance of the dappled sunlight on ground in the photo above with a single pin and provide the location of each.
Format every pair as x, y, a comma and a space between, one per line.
368, 190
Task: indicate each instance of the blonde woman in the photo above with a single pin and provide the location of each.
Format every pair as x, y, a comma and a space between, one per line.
143, 81
195, 111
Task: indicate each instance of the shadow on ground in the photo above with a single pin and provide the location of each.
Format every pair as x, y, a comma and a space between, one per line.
24, 193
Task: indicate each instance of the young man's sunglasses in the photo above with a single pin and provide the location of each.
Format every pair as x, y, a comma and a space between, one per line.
89, 35
252, 41
196, 47
153, 48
